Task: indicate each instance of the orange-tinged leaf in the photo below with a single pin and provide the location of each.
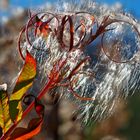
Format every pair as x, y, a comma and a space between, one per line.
38, 23
42, 28
24, 82
33, 129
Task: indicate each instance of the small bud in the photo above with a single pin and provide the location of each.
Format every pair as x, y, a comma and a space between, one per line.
3, 87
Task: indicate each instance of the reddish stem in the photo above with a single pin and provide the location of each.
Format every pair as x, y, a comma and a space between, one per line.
29, 108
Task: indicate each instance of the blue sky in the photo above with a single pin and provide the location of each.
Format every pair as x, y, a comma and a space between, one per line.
27, 3
129, 5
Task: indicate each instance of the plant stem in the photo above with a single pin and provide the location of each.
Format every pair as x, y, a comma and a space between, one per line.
29, 108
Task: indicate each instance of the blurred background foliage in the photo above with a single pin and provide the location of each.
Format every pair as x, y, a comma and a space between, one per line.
60, 123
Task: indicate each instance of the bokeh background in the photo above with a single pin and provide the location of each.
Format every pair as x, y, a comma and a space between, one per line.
60, 123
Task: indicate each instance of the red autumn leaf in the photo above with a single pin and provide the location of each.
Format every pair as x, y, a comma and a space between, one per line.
33, 129
42, 27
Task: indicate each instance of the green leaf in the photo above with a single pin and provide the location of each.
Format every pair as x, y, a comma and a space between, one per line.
24, 82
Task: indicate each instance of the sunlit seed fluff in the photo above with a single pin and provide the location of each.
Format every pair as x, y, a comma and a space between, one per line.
112, 80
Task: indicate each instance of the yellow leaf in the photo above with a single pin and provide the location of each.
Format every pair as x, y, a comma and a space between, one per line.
5, 121
24, 82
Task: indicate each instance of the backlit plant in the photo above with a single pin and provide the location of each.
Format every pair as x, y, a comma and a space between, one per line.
61, 47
